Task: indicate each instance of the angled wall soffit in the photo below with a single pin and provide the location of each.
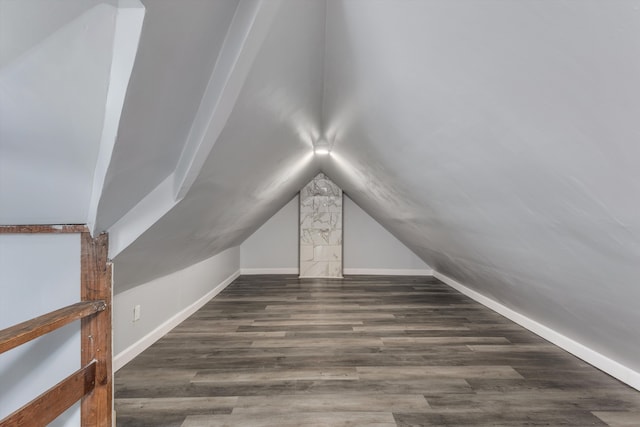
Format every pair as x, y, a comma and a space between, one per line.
247, 32
130, 17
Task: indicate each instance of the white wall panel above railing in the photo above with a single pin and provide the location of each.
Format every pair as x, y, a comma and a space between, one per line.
27, 292
53, 91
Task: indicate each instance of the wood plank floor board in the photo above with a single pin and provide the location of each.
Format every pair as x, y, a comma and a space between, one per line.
361, 351
297, 419
619, 419
172, 405
331, 402
506, 418
345, 374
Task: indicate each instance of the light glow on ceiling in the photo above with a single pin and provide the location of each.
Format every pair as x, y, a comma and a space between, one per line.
322, 147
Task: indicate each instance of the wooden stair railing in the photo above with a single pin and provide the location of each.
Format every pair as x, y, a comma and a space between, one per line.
31, 329
92, 384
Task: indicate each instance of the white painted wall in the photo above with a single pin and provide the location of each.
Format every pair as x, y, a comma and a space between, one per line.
53, 88
167, 301
64, 71
39, 273
368, 247
273, 248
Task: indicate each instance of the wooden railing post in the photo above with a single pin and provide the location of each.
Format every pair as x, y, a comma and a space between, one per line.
97, 406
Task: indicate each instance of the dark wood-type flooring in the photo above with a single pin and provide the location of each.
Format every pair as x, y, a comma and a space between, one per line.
363, 351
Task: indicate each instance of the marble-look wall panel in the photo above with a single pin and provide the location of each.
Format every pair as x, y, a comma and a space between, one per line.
321, 228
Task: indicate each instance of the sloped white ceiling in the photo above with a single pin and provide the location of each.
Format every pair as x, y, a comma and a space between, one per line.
499, 141
496, 139
260, 160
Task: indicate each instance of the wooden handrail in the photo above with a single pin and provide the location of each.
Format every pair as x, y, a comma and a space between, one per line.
53, 402
32, 229
34, 328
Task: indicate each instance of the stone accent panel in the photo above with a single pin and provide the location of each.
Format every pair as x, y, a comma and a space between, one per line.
321, 228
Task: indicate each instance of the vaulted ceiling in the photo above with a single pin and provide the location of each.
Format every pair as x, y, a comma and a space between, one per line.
497, 140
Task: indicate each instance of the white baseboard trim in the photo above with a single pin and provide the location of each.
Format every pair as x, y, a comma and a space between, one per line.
389, 272
355, 271
126, 355
283, 270
611, 367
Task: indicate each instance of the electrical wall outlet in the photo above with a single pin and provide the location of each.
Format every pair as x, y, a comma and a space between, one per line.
136, 313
